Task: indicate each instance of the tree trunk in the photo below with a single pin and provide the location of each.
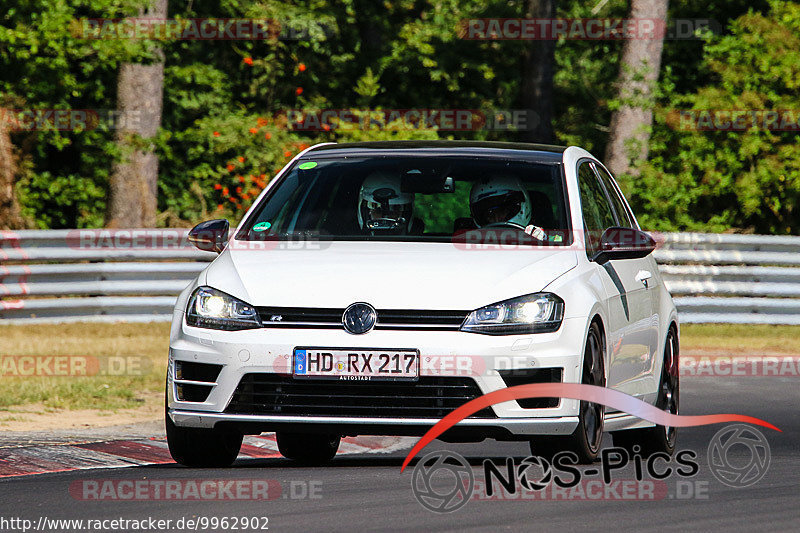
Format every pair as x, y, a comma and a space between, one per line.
10, 217
134, 182
639, 68
537, 81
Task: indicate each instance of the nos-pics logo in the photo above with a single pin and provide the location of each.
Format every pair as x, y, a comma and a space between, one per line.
443, 481
739, 455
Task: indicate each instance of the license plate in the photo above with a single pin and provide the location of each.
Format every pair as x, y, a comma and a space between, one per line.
356, 364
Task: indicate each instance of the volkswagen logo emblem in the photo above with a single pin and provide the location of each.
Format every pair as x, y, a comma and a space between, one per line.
359, 318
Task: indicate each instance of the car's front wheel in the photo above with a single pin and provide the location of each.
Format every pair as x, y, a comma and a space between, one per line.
204, 448
308, 448
658, 439
585, 440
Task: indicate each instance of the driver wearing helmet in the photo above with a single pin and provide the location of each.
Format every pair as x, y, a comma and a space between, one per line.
503, 201
383, 207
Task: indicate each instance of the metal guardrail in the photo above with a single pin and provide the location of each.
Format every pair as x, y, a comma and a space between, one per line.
740, 279
135, 275
95, 275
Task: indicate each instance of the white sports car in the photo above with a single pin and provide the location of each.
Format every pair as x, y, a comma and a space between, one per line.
372, 288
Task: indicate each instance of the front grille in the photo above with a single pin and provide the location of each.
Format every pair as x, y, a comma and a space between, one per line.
282, 316
399, 318
430, 397
330, 317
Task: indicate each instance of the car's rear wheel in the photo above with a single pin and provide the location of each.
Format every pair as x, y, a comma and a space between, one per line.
308, 448
585, 440
658, 439
203, 448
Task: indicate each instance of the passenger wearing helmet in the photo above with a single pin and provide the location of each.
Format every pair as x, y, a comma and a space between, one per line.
503, 201
383, 207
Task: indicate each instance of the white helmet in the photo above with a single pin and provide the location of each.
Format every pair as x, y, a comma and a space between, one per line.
500, 199
382, 206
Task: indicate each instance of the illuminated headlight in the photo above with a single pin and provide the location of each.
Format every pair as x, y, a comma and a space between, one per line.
534, 313
213, 309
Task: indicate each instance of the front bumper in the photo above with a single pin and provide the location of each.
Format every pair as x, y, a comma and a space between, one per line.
478, 357
500, 428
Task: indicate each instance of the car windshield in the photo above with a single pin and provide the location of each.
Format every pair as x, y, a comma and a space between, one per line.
423, 199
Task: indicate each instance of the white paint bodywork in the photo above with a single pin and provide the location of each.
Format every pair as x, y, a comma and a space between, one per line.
395, 275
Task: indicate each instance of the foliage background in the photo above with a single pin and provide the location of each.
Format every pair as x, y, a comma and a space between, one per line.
220, 142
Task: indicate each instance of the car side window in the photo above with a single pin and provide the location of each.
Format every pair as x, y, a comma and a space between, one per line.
597, 213
623, 215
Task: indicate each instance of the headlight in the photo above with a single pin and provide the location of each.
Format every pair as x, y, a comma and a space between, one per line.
535, 313
213, 309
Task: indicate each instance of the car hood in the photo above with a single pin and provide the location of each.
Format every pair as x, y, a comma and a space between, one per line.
388, 275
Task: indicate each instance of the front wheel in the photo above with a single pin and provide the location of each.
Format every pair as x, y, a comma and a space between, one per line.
585, 440
658, 439
200, 447
308, 448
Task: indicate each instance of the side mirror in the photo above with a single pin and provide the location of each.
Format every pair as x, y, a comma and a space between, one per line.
210, 236
623, 243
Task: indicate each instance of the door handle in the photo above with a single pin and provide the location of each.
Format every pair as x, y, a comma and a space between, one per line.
644, 276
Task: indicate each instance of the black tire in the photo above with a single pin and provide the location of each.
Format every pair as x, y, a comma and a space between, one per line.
658, 439
308, 448
585, 441
202, 448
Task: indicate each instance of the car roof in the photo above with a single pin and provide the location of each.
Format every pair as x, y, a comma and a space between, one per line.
531, 152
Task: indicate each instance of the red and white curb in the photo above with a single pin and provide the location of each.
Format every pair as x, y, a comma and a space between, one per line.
25, 461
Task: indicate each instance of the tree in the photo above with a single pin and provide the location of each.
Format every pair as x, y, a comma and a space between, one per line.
711, 171
221, 138
10, 217
47, 63
639, 68
537, 78
133, 189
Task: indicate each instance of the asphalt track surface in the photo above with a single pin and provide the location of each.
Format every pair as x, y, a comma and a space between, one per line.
368, 492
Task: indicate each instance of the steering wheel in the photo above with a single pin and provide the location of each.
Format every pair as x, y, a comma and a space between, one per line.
508, 224
505, 224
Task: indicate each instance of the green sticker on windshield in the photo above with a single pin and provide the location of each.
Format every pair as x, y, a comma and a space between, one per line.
262, 226
308, 165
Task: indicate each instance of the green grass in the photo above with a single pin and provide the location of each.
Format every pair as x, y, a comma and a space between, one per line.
147, 344
753, 339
